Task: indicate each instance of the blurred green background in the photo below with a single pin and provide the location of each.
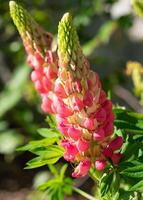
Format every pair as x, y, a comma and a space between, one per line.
111, 35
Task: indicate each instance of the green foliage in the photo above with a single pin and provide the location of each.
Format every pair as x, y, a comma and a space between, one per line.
49, 155
102, 37
47, 150
105, 184
137, 186
49, 133
14, 89
59, 185
129, 172
129, 121
9, 141
134, 172
138, 7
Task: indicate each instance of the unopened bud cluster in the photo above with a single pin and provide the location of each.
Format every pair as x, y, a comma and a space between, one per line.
73, 93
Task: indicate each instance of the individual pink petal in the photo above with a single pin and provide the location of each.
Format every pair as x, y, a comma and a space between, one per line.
35, 60
60, 108
68, 86
39, 87
108, 152
74, 133
108, 128
70, 150
107, 105
82, 169
101, 115
64, 111
47, 84
59, 90
99, 135
29, 60
49, 57
63, 128
77, 104
77, 86
46, 105
116, 143
39, 58
116, 157
50, 73
60, 119
110, 116
35, 75
100, 165
88, 99
102, 97
89, 82
89, 123
82, 145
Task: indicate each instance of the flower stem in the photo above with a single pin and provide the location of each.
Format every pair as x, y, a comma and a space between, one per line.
84, 194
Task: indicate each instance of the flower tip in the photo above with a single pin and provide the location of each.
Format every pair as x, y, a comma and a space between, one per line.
100, 165
13, 3
67, 17
12, 7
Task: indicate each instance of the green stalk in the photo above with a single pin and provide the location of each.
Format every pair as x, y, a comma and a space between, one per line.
84, 194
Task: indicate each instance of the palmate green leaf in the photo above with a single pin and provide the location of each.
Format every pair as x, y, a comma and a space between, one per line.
137, 186
57, 187
132, 150
49, 132
106, 183
49, 183
115, 183
49, 155
129, 121
50, 151
39, 162
134, 172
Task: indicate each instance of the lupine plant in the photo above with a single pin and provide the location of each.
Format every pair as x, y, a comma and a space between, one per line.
98, 139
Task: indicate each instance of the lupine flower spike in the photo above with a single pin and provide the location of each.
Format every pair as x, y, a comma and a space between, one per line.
71, 91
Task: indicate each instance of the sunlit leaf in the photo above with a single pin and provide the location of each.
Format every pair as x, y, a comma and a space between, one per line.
134, 172
48, 132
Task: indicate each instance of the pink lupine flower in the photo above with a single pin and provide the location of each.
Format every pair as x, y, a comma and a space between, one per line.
70, 150
82, 145
90, 124
82, 169
74, 133
72, 92
116, 143
46, 104
77, 86
101, 115
40, 87
36, 75
116, 157
77, 104
100, 165
108, 152
99, 135
88, 99
63, 127
59, 90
